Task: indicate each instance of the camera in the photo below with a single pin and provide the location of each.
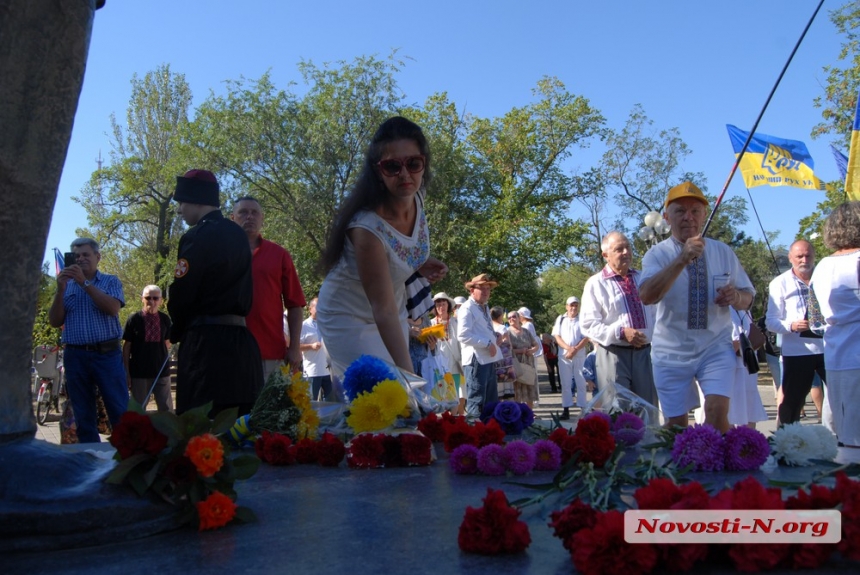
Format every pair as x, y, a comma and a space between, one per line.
69, 259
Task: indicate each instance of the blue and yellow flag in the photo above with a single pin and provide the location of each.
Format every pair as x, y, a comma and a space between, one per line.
771, 161
852, 176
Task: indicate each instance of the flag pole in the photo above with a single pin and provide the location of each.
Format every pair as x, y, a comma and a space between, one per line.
752, 132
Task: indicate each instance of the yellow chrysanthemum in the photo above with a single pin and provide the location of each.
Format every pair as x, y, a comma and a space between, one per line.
391, 398
365, 414
308, 425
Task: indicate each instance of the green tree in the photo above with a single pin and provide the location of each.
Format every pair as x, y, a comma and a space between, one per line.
837, 105
128, 203
43, 333
298, 155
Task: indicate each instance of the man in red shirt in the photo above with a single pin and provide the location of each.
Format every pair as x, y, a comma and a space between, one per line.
276, 286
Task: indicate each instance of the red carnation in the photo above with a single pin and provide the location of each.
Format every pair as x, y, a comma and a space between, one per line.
279, 450
596, 450
494, 528
365, 451
135, 434
432, 427
559, 435
458, 432
415, 449
568, 521
601, 550
489, 433
848, 492
391, 453
665, 494
306, 451
330, 450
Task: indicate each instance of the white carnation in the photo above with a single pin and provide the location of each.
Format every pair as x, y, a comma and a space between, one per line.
827, 448
796, 444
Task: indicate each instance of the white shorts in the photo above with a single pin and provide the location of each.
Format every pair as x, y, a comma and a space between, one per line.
676, 387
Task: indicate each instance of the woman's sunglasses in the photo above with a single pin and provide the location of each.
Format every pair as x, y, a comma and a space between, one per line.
392, 167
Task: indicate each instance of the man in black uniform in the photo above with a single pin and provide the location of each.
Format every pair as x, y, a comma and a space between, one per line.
219, 360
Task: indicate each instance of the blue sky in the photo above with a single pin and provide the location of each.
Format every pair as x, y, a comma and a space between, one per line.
694, 66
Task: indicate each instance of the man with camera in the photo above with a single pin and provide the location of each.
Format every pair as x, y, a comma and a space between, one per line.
802, 349
87, 302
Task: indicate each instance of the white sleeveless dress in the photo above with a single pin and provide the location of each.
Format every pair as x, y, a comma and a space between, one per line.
344, 316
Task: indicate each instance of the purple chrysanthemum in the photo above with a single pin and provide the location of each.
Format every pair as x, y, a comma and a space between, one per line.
464, 460
701, 446
628, 429
746, 449
491, 459
519, 457
547, 455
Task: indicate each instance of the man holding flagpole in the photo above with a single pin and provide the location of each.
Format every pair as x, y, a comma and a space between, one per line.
693, 281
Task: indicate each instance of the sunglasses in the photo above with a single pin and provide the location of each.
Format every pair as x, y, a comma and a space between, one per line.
152, 297
392, 167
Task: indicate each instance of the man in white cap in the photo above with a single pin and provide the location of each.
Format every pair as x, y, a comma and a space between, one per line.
614, 317
693, 281
571, 341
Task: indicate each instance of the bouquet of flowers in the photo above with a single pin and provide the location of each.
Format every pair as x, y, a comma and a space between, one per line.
380, 398
284, 407
615, 400
703, 448
181, 459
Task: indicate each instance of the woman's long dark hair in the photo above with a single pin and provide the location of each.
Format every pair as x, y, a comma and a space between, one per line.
369, 190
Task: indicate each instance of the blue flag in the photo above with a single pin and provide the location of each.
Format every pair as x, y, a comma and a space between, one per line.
59, 262
852, 177
841, 162
772, 161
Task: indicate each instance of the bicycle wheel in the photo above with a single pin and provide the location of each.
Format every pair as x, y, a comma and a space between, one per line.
43, 404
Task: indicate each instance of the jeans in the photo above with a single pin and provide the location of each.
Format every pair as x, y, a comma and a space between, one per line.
86, 371
321, 382
480, 386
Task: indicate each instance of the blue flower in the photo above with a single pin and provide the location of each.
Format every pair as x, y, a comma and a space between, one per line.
363, 374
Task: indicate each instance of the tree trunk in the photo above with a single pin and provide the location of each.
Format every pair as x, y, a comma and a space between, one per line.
43, 52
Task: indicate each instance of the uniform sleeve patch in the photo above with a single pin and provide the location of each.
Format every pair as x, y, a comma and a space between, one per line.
181, 268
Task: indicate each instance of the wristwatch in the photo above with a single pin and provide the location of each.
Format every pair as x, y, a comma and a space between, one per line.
87, 283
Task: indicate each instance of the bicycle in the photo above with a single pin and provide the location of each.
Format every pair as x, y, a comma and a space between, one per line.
47, 362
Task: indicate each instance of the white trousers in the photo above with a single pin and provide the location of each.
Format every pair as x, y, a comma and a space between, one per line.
570, 374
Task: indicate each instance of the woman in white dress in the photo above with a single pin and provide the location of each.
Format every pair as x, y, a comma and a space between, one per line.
836, 284
448, 347
378, 240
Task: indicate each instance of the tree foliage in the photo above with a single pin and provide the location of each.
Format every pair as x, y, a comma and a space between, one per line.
128, 203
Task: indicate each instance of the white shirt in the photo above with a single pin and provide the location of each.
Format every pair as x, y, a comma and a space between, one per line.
315, 362
605, 309
837, 288
475, 333
673, 343
529, 325
786, 305
571, 334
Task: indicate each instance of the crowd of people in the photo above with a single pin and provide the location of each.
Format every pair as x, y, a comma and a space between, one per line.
671, 333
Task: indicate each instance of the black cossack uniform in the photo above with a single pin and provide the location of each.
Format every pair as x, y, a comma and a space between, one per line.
219, 360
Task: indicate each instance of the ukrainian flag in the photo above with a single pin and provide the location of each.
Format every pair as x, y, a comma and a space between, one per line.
852, 176
771, 161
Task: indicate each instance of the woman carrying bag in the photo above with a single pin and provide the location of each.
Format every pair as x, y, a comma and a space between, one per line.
523, 346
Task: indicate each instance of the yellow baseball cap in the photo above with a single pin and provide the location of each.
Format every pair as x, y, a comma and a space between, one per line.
685, 190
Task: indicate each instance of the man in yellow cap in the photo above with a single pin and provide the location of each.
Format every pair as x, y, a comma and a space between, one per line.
693, 281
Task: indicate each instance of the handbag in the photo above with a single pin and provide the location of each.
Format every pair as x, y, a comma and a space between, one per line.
748, 354
526, 374
757, 338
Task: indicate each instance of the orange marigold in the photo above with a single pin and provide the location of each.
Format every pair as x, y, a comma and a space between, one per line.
207, 454
216, 511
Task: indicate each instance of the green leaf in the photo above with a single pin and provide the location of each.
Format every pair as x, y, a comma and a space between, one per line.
225, 420
169, 424
245, 466
124, 467
245, 515
135, 407
137, 482
196, 421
